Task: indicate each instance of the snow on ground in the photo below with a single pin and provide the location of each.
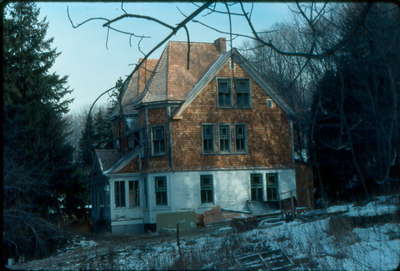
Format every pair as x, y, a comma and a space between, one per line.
330, 242
329, 245
372, 209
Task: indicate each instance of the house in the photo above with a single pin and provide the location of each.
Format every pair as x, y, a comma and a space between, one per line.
214, 133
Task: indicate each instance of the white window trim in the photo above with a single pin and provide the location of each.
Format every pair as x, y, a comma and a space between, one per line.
153, 191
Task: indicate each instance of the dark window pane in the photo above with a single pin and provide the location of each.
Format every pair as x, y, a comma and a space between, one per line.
241, 138
256, 187
208, 140
206, 189
119, 193
134, 194
158, 140
224, 92
161, 190
242, 92
224, 138
272, 186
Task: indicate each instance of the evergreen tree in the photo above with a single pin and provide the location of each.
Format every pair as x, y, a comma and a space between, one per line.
37, 159
102, 130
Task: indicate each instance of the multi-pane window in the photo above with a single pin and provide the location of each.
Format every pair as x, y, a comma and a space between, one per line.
224, 138
240, 132
158, 140
242, 92
208, 138
206, 189
133, 194
272, 186
161, 190
224, 92
256, 187
232, 138
119, 193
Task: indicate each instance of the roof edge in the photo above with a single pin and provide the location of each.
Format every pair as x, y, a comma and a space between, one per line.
207, 77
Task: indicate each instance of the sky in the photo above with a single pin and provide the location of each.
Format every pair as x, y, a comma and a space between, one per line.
93, 67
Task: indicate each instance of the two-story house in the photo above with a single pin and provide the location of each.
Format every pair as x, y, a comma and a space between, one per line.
197, 133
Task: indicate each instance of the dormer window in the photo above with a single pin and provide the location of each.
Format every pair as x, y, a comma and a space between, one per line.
242, 92
224, 93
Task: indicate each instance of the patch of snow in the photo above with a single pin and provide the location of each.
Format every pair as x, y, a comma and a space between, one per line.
338, 208
84, 243
372, 209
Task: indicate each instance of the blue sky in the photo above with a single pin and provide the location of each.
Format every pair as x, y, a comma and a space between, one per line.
92, 68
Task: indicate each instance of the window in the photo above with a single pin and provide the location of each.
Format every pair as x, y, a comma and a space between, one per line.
232, 138
270, 103
208, 138
272, 186
158, 140
242, 92
240, 131
206, 189
119, 193
224, 93
146, 194
161, 190
256, 187
224, 138
133, 194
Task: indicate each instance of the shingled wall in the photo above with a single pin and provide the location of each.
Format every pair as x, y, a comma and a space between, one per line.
268, 131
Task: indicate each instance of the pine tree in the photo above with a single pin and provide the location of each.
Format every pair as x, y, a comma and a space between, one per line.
37, 159
102, 130
85, 146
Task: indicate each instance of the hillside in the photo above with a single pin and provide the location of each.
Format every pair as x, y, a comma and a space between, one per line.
341, 237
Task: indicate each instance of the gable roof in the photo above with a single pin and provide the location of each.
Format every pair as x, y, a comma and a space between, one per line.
248, 68
170, 79
107, 157
123, 161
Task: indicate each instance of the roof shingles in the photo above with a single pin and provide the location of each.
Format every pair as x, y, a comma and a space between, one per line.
171, 80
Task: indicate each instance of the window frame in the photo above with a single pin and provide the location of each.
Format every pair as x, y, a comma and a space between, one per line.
212, 138
137, 196
232, 143
275, 186
218, 79
156, 190
234, 93
118, 200
245, 137
207, 188
228, 137
152, 134
259, 188
240, 92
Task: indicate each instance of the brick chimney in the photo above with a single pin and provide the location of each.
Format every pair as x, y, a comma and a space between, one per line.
220, 44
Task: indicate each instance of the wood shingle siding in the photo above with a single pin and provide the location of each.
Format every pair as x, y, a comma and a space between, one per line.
269, 142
